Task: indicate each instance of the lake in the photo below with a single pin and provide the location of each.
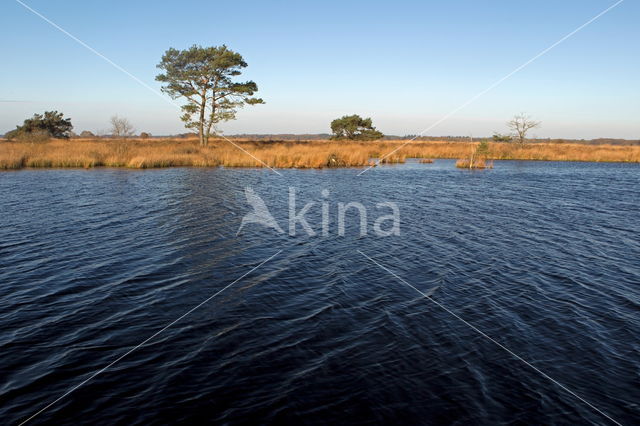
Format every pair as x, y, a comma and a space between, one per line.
542, 258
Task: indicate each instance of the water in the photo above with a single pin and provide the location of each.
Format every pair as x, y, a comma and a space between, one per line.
542, 257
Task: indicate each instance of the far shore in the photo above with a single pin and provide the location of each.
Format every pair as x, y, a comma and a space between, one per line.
156, 153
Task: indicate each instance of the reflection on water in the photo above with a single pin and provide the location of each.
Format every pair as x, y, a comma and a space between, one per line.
543, 257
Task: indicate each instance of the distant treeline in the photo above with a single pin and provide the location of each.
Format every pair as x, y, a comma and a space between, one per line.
275, 137
324, 136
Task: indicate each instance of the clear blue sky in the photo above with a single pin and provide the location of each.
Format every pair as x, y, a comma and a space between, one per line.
403, 63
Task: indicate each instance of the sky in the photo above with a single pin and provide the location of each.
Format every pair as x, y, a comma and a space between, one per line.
405, 64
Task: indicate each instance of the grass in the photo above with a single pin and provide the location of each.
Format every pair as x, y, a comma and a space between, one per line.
152, 153
470, 163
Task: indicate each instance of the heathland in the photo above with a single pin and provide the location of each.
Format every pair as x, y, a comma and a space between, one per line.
183, 152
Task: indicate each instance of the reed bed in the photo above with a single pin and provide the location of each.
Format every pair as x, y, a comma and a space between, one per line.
136, 153
470, 163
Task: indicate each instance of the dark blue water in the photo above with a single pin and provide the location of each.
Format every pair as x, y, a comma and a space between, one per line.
542, 257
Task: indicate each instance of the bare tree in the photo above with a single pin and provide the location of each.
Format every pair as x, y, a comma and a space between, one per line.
520, 125
121, 127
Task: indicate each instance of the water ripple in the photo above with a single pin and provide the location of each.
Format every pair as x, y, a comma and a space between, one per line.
543, 257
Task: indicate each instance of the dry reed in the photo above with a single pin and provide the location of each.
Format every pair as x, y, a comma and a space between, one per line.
137, 153
470, 163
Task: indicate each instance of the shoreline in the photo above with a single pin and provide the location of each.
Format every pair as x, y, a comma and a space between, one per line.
81, 168
312, 154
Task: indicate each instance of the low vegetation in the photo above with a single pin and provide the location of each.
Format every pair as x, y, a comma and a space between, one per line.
471, 163
148, 153
478, 158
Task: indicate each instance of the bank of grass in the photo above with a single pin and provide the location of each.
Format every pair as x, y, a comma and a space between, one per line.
152, 153
471, 163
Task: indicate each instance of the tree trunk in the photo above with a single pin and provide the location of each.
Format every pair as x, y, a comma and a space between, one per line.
210, 124
201, 134
201, 128
208, 132
213, 111
203, 107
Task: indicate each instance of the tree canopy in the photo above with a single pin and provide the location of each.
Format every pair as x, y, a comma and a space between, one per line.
354, 127
204, 77
49, 124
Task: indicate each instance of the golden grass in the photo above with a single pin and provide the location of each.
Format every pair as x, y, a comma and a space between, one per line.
137, 153
469, 163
